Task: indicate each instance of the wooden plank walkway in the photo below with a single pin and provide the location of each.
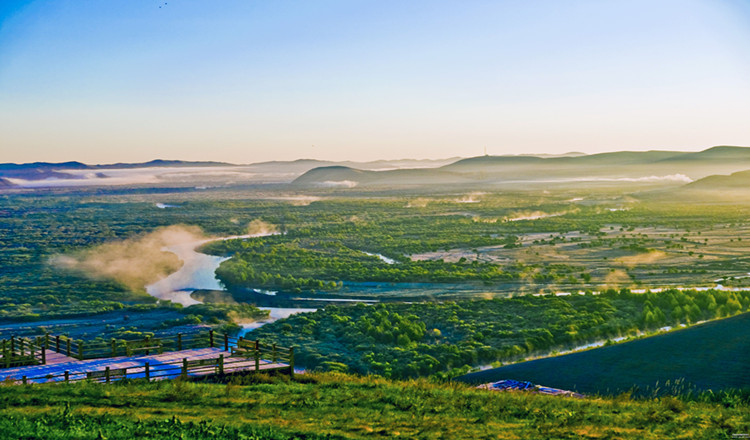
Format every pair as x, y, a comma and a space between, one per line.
58, 358
168, 365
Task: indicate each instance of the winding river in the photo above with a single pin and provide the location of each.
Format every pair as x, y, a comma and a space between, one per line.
198, 273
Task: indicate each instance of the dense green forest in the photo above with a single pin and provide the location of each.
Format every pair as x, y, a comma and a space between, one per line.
400, 340
266, 262
338, 406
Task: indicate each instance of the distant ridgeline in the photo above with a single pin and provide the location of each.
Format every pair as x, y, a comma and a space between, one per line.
640, 167
627, 167
48, 170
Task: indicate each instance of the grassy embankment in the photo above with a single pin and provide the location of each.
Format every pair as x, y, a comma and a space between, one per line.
341, 406
710, 356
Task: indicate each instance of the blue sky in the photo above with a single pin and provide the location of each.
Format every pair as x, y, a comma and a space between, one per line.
246, 81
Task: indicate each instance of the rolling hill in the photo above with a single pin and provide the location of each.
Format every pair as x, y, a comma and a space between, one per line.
738, 180
734, 187
349, 177
714, 355
655, 168
714, 154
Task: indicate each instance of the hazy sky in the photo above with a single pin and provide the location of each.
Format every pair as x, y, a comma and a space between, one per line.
246, 81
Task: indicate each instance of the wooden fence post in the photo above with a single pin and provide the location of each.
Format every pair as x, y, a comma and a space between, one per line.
80, 349
184, 368
114, 347
44, 355
67, 376
148, 372
6, 356
179, 341
273, 353
211, 338
147, 343
57, 343
291, 361
221, 364
226, 342
257, 360
46, 340
24, 380
67, 343
106, 374
12, 346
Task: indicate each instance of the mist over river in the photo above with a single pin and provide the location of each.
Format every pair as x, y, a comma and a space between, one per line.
198, 271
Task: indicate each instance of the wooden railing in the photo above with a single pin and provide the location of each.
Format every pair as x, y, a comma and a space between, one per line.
244, 357
19, 352
271, 352
82, 350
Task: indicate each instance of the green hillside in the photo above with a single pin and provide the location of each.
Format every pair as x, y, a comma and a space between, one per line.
336, 406
483, 170
738, 180
718, 153
714, 355
334, 175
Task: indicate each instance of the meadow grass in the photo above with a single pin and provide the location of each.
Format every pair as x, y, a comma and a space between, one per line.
334, 405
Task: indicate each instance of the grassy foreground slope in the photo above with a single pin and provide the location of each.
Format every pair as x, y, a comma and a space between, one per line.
332, 406
714, 355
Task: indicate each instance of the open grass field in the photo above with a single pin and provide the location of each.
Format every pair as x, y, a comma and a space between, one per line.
336, 406
714, 355
621, 255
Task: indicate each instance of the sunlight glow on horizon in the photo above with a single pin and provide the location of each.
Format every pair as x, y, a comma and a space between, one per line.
248, 81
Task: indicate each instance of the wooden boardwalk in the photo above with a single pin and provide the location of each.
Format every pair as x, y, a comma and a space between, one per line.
58, 358
168, 365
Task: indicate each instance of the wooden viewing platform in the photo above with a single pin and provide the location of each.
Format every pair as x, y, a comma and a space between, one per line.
220, 354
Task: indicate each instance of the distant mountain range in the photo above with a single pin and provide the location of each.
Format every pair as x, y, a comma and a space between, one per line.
629, 167
625, 166
49, 170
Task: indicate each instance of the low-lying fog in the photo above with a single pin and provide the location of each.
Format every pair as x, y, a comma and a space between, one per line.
159, 176
164, 262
